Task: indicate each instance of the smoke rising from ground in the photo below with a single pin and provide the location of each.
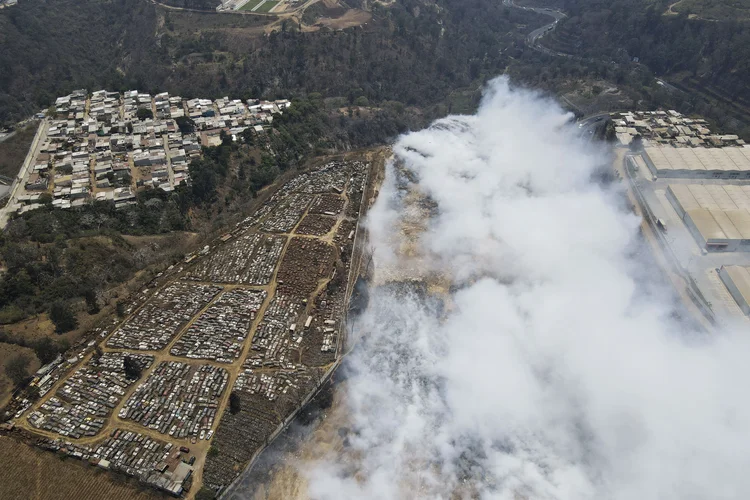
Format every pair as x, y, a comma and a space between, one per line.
548, 371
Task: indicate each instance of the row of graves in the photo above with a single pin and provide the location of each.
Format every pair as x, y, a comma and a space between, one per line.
178, 399
219, 333
154, 325
81, 406
159, 464
295, 341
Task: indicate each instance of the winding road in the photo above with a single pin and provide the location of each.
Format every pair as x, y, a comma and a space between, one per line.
532, 38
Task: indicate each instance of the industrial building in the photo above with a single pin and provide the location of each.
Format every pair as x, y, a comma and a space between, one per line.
737, 281
717, 216
698, 163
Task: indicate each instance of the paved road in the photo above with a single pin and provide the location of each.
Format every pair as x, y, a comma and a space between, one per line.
589, 125
6, 136
532, 39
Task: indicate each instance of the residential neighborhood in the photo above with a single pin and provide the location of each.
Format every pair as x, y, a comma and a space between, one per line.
106, 146
669, 128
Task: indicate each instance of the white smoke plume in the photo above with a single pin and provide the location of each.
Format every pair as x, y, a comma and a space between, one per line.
549, 371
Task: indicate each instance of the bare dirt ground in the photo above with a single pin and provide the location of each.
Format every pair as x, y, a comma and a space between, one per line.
351, 18
670, 10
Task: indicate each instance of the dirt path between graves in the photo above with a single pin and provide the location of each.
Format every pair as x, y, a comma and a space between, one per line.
200, 448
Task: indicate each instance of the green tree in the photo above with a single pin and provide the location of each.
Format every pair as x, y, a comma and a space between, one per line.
205, 494
132, 369
16, 284
17, 368
144, 113
33, 393
636, 145
235, 403
92, 304
46, 350
186, 124
62, 316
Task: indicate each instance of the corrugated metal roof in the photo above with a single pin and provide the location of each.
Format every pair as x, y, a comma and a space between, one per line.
727, 205
725, 224
719, 159
740, 276
741, 220
706, 224
684, 197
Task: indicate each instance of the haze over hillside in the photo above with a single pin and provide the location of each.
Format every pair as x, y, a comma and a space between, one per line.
541, 275
554, 368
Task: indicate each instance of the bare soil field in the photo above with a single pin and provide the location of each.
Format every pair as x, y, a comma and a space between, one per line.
350, 18
34, 474
34, 328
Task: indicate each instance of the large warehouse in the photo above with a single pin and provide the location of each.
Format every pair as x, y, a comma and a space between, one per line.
718, 216
737, 281
699, 163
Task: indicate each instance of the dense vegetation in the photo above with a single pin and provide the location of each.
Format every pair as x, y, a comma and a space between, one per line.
358, 87
45, 277
52, 49
719, 52
704, 58
413, 53
722, 10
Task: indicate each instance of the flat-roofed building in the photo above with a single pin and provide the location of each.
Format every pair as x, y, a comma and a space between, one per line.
737, 281
718, 216
700, 163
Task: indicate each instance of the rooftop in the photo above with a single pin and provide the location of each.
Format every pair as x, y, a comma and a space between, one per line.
700, 158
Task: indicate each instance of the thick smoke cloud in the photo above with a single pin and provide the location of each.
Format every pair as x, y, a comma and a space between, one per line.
548, 371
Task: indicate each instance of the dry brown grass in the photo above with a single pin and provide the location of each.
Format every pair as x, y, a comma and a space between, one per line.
34, 328
34, 474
